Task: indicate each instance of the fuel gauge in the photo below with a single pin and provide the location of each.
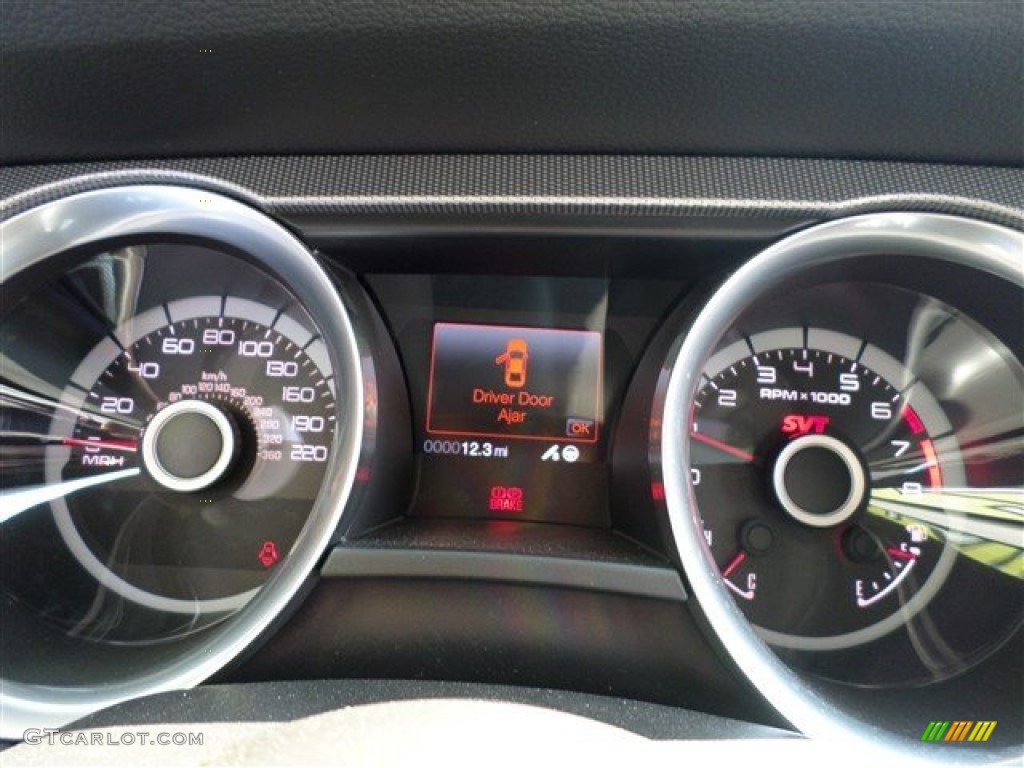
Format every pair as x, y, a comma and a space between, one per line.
886, 565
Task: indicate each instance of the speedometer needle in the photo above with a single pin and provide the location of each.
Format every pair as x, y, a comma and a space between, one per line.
110, 445
13, 503
732, 450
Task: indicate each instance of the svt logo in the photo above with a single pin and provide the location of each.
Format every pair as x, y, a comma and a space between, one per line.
796, 424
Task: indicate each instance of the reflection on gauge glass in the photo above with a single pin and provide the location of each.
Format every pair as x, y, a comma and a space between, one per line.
178, 444
842, 486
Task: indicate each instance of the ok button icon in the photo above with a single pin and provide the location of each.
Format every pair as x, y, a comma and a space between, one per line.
579, 428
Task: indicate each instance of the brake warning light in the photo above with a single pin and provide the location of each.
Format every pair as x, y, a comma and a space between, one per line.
506, 499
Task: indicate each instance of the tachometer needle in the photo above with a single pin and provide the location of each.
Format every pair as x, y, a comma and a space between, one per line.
732, 450
15, 502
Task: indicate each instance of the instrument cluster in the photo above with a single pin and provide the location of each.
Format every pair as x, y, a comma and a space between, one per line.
827, 444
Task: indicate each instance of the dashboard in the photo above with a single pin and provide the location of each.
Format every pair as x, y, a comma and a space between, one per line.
693, 445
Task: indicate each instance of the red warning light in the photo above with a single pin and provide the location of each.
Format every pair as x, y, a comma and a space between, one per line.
269, 554
506, 499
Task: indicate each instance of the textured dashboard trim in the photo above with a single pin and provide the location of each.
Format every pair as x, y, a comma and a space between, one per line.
926, 80
545, 185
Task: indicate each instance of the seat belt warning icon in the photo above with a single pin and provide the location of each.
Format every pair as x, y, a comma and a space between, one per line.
514, 359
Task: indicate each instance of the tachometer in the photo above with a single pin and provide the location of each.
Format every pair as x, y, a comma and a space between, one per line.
799, 439
839, 443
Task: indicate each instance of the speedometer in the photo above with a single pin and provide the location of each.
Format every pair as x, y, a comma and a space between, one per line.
181, 422
800, 437
198, 435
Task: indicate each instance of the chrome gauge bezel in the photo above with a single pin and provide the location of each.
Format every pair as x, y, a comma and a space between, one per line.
974, 245
151, 212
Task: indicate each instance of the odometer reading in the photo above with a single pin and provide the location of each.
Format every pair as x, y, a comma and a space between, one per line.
471, 448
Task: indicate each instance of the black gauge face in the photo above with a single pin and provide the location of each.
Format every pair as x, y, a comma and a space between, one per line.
800, 457
170, 444
858, 489
197, 447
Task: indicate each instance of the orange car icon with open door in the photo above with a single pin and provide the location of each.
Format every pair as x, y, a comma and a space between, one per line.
514, 358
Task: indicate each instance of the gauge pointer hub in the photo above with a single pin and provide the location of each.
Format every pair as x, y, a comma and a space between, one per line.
189, 445
819, 481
